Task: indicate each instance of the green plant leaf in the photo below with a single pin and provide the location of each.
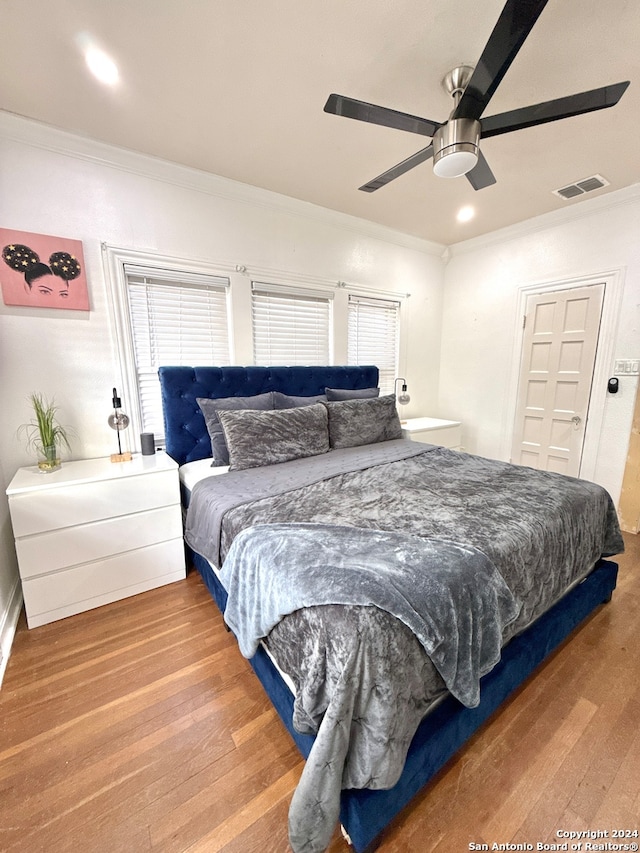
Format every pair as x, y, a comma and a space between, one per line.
43, 430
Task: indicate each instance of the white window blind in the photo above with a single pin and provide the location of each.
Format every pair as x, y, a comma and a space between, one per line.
290, 326
176, 319
374, 335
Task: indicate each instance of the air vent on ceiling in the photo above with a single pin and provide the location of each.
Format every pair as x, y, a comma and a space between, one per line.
595, 182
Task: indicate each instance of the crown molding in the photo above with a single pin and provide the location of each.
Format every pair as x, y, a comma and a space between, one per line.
25, 131
553, 219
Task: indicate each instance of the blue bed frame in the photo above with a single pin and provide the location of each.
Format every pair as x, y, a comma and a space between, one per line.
365, 813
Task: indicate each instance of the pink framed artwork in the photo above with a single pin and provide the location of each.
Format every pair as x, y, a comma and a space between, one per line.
42, 271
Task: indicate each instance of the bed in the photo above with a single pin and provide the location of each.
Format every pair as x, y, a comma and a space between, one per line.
377, 723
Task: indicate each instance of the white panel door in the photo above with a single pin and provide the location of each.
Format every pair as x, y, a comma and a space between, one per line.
558, 355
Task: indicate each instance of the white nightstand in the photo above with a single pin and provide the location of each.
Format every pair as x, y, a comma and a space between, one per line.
434, 431
95, 531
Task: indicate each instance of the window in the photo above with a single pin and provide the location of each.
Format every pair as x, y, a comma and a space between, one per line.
373, 336
176, 318
290, 326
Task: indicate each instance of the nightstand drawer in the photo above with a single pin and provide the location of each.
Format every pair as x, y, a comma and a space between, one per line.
434, 431
50, 509
70, 591
71, 546
448, 437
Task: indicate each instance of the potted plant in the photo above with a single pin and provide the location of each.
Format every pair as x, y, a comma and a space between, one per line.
44, 434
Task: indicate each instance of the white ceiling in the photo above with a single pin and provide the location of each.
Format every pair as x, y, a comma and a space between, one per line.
237, 88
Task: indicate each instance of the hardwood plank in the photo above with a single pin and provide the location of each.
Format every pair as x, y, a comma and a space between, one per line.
606, 763
619, 802
214, 800
216, 840
252, 728
514, 809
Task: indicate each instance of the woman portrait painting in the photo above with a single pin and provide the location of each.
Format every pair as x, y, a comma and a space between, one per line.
42, 271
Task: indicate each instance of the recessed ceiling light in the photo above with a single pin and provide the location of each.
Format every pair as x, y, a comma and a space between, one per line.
102, 66
465, 214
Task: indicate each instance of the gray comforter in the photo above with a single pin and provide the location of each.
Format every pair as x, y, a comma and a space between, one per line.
354, 666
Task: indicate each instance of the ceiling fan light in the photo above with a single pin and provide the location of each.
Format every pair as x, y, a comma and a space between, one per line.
455, 147
455, 162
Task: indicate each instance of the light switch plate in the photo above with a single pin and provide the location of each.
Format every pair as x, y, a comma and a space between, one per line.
627, 367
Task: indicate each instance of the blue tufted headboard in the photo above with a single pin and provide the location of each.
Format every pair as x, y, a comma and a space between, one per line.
186, 433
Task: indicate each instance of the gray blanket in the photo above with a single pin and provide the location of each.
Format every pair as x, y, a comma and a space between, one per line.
214, 497
450, 596
354, 667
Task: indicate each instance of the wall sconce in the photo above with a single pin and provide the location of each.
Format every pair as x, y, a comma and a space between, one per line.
403, 398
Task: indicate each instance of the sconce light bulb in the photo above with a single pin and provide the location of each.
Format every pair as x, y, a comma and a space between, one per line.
118, 421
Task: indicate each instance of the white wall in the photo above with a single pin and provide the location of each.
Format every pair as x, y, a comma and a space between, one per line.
481, 330
460, 327
59, 184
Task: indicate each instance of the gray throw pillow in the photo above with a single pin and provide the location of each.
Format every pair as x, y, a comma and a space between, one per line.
334, 394
255, 439
363, 421
286, 401
210, 409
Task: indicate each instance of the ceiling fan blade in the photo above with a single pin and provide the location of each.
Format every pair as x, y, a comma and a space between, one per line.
361, 111
481, 175
400, 169
571, 105
516, 21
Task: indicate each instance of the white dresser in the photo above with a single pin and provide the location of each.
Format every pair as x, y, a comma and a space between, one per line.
95, 531
434, 431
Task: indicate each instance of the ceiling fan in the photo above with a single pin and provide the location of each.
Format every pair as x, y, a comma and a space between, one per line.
455, 147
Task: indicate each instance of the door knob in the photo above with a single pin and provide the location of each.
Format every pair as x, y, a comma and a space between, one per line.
576, 420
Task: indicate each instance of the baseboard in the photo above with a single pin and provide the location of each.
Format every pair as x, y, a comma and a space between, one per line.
8, 625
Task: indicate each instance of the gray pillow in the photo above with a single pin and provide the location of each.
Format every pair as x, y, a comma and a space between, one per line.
210, 409
255, 439
334, 394
363, 421
286, 401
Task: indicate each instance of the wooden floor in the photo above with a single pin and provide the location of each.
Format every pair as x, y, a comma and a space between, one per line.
139, 727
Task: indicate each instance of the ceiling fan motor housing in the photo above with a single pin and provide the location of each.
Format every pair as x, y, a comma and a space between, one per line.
456, 147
